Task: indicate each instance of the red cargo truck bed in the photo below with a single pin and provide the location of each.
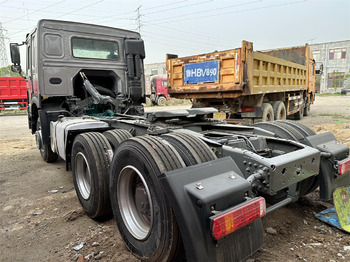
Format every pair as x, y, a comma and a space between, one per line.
13, 93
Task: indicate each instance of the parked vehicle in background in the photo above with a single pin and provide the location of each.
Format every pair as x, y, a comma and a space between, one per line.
180, 185
13, 93
242, 83
156, 90
345, 91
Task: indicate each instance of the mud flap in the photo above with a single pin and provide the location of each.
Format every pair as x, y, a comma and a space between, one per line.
341, 198
194, 192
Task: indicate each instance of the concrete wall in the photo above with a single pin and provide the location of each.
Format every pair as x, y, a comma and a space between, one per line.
155, 69
331, 66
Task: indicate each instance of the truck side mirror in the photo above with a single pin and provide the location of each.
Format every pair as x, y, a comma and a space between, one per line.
15, 56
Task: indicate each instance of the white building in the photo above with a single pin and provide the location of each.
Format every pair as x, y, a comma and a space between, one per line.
335, 58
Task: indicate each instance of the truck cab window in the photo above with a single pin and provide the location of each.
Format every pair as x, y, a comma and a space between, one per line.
95, 49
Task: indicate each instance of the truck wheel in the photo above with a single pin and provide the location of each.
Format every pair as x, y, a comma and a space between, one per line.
143, 214
116, 136
148, 101
278, 130
45, 150
310, 184
304, 130
90, 167
191, 149
267, 112
279, 110
306, 110
299, 115
161, 101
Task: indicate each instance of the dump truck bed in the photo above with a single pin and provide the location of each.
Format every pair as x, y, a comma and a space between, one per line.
237, 72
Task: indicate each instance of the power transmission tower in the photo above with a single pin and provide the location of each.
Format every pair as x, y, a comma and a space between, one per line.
138, 19
3, 54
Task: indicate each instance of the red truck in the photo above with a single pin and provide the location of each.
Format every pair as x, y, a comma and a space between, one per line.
13, 93
156, 90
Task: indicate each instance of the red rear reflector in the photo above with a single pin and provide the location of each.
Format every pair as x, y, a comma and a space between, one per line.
229, 221
247, 109
344, 166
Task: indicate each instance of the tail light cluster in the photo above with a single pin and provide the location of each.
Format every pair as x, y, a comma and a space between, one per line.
344, 166
233, 219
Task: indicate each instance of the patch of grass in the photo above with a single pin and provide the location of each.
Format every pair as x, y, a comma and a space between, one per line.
14, 111
328, 94
335, 115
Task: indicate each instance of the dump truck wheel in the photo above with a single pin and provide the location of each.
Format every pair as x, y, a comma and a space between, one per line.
161, 101
306, 110
142, 211
279, 110
268, 114
45, 150
299, 115
191, 149
116, 136
90, 166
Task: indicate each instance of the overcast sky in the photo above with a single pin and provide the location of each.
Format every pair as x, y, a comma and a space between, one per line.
189, 27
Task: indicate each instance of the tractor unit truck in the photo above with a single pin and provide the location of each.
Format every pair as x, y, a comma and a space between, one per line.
181, 186
246, 84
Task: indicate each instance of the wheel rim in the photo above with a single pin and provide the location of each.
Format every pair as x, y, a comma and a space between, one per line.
161, 101
83, 175
135, 202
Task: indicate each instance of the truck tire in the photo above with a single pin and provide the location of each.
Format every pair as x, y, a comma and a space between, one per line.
309, 185
279, 110
191, 149
45, 150
161, 101
267, 114
90, 168
148, 101
306, 110
143, 214
288, 130
304, 130
299, 115
278, 130
116, 136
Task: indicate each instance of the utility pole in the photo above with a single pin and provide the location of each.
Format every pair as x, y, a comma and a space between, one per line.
138, 19
3, 54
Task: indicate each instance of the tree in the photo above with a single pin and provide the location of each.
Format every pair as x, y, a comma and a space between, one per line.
6, 71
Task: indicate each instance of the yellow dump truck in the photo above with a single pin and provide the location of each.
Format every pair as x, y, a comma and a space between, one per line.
245, 84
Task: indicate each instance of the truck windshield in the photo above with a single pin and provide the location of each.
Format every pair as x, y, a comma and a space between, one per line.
95, 49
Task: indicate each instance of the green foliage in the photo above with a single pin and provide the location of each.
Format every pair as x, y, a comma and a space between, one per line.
6, 71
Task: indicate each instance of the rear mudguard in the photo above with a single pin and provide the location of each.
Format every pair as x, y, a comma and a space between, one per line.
195, 193
329, 178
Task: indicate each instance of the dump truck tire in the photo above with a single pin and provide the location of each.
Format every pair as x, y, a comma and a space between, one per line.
267, 114
299, 115
116, 136
45, 150
279, 110
140, 206
90, 167
191, 149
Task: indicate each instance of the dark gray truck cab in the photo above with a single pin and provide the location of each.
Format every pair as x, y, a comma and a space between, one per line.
180, 185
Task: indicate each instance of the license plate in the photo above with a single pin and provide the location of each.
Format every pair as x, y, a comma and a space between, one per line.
219, 115
201, 72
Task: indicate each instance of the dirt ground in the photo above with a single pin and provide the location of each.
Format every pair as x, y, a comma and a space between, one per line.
41, 218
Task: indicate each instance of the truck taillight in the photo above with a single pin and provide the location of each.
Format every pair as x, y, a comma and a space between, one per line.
344, 166
247, 109
229, 221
